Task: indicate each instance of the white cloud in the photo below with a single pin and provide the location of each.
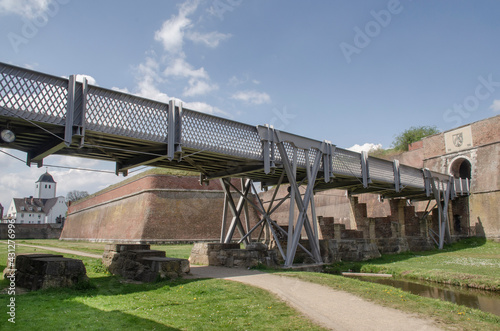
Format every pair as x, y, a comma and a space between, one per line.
198, 87
180, 68
204, 108
235, 81
148, 79
26, 8
495, 106
21, 179
171, 34
211, 39
90, 80
254, 97
367, 147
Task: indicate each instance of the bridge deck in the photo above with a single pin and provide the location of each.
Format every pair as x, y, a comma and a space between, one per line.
54, 115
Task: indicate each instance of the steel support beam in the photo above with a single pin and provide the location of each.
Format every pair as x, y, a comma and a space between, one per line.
365, 172
397, 176
303, 219
174, 130
235, 209
37, 155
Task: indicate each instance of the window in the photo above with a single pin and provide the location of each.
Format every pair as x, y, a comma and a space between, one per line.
36, 185
22, 214
49, 186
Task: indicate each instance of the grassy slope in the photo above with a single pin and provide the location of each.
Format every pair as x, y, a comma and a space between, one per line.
472, 262
112, 305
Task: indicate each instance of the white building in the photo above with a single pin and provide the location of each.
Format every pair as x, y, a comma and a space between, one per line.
42, 208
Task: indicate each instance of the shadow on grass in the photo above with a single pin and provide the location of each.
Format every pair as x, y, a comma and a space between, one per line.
339, 267
62, 308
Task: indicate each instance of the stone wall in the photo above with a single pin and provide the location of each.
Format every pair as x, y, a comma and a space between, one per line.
32, 231
484, 156
152, 209
140, 263
232, 256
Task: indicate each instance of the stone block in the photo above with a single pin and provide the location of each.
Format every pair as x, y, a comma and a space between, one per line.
36, 271
126, 247
143, 265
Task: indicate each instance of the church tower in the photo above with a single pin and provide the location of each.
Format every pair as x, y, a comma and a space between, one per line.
45, 187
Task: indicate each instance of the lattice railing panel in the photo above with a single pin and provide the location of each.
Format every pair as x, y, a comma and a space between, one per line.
462, 186
33, 96
347, 163
381, 170
121, 114
219, 135
411, 176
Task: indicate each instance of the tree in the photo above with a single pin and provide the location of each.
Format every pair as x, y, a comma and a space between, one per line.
411, 135
76, 195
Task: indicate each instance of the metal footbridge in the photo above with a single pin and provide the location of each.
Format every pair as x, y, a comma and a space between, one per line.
54, 115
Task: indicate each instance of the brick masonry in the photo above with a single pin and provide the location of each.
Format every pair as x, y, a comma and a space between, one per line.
32, 231
154, 208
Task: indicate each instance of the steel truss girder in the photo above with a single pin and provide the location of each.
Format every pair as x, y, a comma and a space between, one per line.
442, 195
265, 220
235, 209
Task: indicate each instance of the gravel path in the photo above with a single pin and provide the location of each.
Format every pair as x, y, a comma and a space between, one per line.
332, 309
335, 310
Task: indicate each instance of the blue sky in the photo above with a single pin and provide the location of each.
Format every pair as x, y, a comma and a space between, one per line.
352, 72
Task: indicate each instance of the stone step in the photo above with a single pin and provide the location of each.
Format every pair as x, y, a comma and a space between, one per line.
168, 265
23, 261
138, 255
126, 247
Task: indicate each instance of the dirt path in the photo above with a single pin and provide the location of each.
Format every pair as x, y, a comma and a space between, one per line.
332, 309
335, 310
62, 250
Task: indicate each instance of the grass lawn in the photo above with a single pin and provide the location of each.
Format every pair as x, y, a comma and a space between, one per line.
178, 251
217, 304
473, 262
110, 304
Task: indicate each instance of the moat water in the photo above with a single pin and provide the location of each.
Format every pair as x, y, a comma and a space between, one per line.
484, 300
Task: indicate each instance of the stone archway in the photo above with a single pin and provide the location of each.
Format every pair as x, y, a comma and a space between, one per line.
461, 168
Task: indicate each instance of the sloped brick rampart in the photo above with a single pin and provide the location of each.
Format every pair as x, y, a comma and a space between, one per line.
155, 208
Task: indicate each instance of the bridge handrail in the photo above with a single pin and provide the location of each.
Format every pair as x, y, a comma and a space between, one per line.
44, 98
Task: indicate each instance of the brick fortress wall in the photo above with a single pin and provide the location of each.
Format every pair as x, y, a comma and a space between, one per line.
154, 208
